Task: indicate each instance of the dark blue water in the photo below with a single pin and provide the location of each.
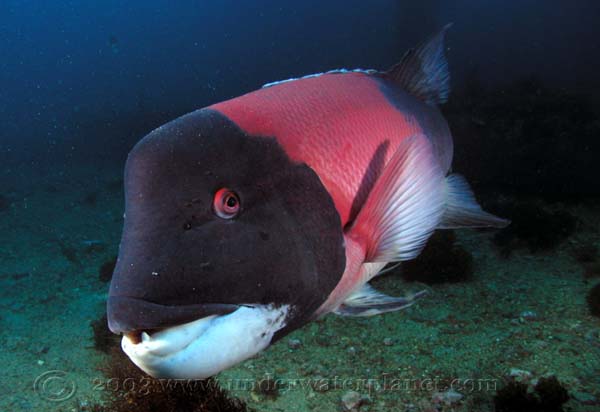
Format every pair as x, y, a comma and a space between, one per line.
66, 66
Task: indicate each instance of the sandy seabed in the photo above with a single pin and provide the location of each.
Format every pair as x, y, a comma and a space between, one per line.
449, 352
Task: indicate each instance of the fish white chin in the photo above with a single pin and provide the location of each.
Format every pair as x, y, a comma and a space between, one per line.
207, 346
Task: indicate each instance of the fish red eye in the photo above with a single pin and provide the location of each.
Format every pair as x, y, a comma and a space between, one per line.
226, 203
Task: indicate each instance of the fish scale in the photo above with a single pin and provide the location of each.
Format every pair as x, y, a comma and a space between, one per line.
334, 123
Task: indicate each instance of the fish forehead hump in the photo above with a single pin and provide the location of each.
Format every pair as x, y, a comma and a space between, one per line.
284, 247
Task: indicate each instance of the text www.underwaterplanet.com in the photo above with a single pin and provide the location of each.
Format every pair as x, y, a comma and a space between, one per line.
55, 385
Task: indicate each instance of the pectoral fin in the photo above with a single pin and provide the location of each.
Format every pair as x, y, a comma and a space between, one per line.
405, 204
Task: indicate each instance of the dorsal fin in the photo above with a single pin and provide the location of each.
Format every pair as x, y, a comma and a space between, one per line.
423, 72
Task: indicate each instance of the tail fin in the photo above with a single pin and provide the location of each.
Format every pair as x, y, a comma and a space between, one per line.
462, 210
423, 72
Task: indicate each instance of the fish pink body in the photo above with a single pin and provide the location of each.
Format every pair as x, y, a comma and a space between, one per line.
249, 218
347, 126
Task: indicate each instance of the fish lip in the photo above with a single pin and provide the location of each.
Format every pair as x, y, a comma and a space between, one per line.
206, 346
131, 316
165, 342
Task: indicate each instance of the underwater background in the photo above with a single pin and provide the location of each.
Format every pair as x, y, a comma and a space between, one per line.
512, 322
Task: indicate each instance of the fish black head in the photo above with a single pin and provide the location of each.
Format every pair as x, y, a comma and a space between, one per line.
227, 245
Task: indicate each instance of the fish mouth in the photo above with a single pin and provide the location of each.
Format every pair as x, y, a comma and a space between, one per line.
205, 346
132, 316
164, 342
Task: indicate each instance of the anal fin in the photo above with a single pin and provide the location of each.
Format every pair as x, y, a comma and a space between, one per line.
367, 301
462, 209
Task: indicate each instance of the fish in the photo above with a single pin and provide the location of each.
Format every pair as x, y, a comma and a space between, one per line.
247, 219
